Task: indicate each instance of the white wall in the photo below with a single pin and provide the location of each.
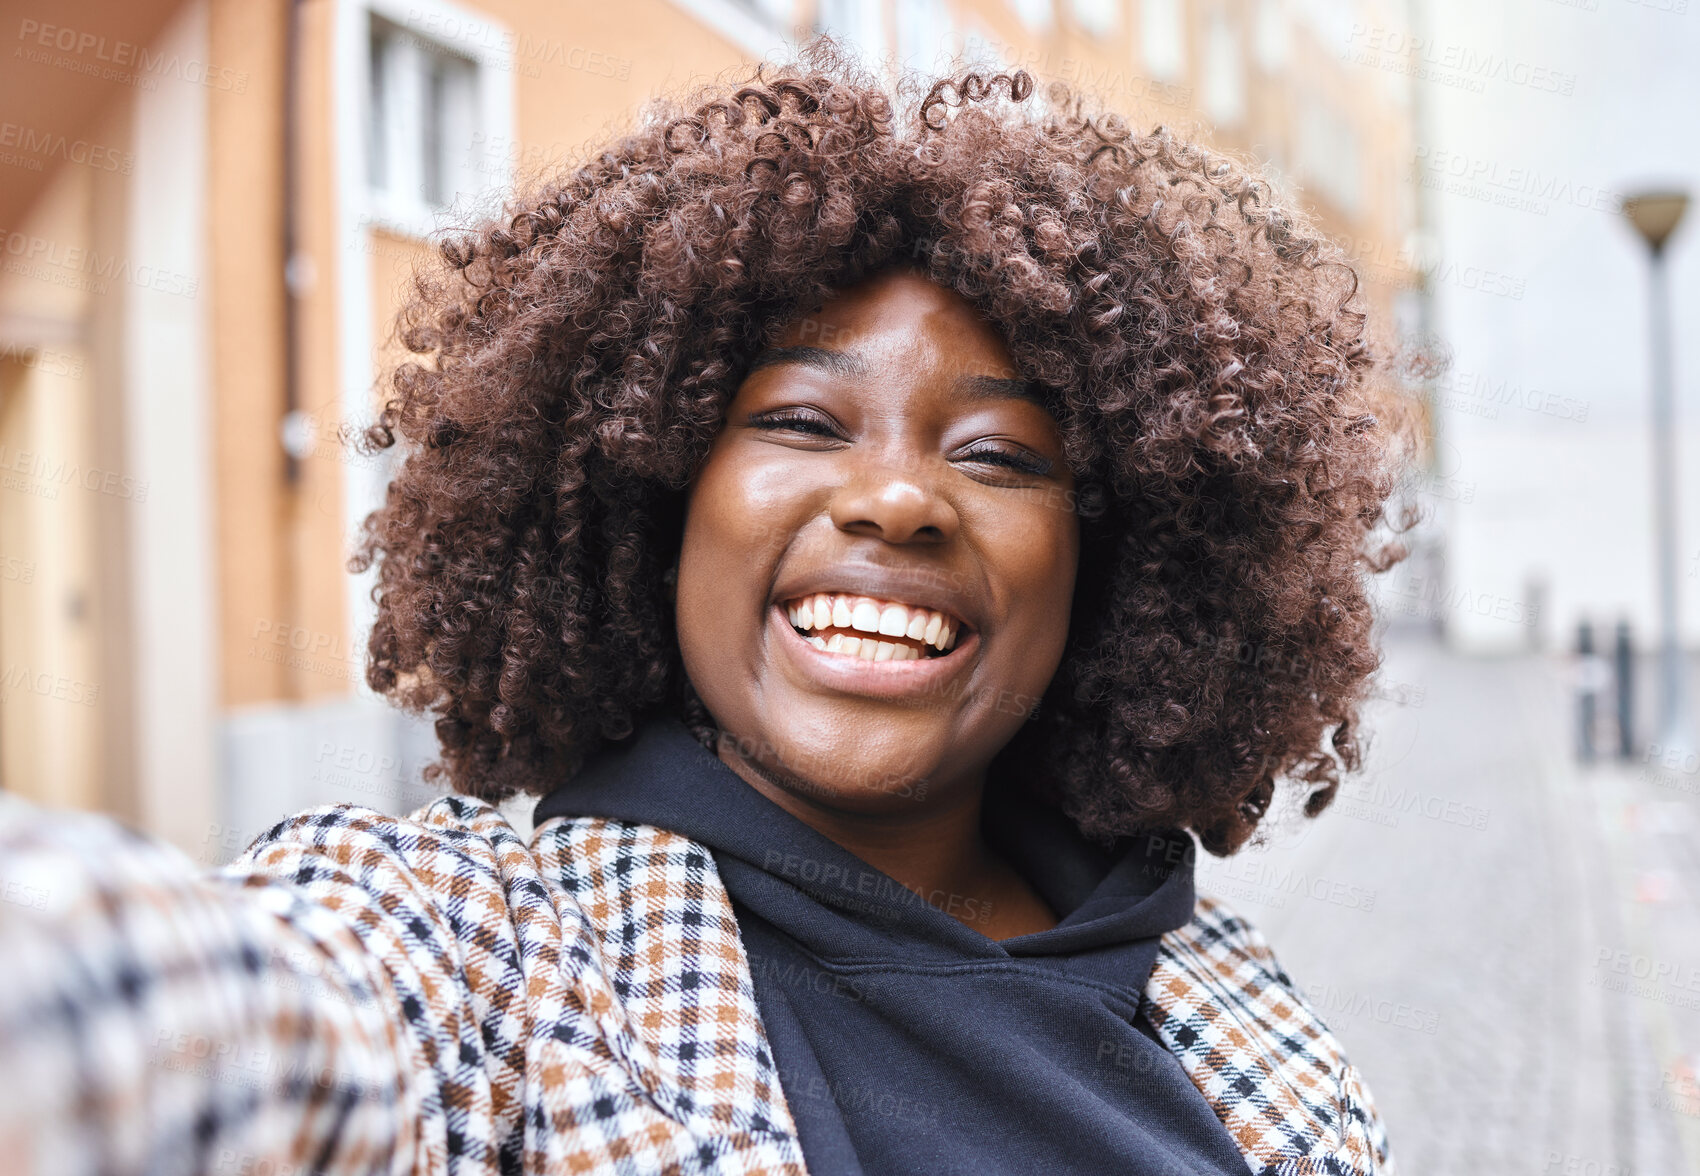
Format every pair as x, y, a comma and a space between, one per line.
282, 758
168, 446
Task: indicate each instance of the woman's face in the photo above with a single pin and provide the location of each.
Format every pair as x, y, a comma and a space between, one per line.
884, 485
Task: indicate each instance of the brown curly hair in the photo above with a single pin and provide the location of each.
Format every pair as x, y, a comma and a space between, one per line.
1200, 346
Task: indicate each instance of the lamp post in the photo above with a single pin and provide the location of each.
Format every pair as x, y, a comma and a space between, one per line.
1655, 216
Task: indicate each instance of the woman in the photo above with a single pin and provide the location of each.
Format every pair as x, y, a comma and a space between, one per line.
852, 525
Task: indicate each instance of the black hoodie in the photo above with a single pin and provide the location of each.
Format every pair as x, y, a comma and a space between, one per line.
907, 1041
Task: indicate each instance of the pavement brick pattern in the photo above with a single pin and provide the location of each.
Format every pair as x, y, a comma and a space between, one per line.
1506, 942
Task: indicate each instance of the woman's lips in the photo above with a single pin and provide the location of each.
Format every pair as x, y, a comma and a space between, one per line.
890, 677
872, 628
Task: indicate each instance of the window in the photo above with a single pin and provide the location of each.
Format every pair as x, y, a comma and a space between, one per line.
1273, 38
1330, 20
1224, 72
1162, 38
1327, 154
1098, 17
858, 24
757, 27
925, 37
983, 51
422, 125
1035, 14
775, 12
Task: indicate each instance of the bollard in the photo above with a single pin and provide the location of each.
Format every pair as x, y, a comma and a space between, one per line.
1623, 664
1585, 693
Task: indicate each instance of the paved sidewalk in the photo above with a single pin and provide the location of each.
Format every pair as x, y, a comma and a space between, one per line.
1508, 944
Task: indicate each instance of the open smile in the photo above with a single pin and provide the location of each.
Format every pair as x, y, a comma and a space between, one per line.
871, 629
880, 664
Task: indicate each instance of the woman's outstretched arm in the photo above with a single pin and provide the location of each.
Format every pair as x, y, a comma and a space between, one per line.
365, 993
159, 1018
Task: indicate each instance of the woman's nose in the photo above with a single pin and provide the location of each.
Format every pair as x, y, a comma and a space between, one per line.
894, 505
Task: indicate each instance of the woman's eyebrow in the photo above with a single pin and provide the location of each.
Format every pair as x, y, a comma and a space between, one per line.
838, 363
844, 363
999, 388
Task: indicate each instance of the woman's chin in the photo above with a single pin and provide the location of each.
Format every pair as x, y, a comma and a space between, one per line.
837, 773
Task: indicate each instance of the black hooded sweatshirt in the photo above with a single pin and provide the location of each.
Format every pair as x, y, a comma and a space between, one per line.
906, 1040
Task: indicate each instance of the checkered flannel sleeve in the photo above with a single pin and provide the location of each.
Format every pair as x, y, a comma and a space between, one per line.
363, 993
157, 1018
1278, 1078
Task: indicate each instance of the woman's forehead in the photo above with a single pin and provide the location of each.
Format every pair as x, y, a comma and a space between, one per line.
895, 314
899, 292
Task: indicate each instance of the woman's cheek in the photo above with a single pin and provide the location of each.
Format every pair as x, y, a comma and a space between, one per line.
1044, 566
767, 492
1038, 542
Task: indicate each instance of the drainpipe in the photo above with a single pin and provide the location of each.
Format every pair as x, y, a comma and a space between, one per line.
296, 428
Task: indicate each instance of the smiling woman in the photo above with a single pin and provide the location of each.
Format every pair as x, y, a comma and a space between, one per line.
892, 485
1196, 350
846, 517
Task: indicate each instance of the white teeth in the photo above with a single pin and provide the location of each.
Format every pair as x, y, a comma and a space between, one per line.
818, 642
865, 616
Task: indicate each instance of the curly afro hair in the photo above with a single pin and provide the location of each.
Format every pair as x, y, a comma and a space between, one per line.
1201, 348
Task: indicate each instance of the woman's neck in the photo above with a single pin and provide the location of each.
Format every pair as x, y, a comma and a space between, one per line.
936, 850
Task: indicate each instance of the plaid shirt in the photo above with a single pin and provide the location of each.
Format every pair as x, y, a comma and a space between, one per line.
361, 993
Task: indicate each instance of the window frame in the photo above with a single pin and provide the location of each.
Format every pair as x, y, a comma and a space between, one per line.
360, 215
1164, 62
458, 32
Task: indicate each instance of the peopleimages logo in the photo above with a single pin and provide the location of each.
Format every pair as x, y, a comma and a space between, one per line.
1453, 63
1333, 1001
49, 145
1272, 883
528, 53
1478, 394
49, 260
46, 684
43, 359
120, 61
872, 884
1430, 596
1482, 178
49, 473
1383, 804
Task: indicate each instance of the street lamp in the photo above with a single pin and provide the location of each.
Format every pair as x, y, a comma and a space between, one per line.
1655, 216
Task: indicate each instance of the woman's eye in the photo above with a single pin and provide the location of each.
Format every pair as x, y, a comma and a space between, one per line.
817, 426
1027, 463
801, 422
